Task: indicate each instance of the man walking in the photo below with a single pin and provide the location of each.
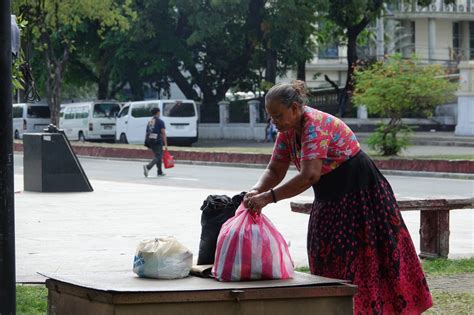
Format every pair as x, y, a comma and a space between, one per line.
155, 139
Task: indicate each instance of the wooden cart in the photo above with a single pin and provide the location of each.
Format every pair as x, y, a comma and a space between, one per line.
122, 293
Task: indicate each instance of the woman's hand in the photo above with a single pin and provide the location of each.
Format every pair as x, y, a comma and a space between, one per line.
248, 195
257, 202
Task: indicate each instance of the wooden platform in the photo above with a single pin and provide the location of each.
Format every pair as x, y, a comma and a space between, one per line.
124, 293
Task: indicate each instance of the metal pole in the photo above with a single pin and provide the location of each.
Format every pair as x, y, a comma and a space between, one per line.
7, 217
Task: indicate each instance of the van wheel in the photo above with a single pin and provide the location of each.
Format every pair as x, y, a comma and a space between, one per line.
123, 139
81, 136
17, 134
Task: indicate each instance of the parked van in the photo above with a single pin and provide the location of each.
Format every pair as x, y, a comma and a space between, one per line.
89, 120
180, 118
30, 117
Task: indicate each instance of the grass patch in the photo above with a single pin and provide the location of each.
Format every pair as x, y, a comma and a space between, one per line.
444, 302
302, 269
436, 267
31, 299
451, 303
439, 267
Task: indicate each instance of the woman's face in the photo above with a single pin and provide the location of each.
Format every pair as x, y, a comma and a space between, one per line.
284, 118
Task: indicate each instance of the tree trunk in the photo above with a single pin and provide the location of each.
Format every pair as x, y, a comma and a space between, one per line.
56, 67
103, 83
270, 65
49, 90
57, 87
103, 72
183, 83
351, 58
301, 70
209, 99
115, 89
136, 87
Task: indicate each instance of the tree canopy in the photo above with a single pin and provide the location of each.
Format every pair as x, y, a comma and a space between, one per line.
397, 87
205, 47
52, 27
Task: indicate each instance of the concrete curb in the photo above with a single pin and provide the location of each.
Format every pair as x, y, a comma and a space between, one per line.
461, 167
464, 176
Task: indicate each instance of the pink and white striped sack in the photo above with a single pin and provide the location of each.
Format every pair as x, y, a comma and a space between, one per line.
249, 247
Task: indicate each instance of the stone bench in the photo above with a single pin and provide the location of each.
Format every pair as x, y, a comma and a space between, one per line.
434, 221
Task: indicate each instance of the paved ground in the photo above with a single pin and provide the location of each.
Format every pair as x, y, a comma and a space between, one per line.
71, 232
86, 231
461, 283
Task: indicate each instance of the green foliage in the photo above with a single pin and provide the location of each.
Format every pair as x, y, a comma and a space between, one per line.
213, 45
288, 27
31, 299
17, 76
217, 45
52, 27
438, 267
396, 87
451, 303
387, 139
347, 20
302, 269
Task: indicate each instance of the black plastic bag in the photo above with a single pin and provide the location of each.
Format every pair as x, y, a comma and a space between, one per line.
216, 209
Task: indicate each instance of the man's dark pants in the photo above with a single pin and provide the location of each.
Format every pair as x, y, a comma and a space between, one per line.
158, 150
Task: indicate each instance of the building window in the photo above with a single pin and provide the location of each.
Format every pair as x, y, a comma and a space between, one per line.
331, 49
328, 52
471, 40
456, 35
456, 40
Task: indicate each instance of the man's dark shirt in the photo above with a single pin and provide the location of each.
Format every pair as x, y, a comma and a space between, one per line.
155, 125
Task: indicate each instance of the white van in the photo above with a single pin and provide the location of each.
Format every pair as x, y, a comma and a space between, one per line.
180, 118
30, 117
89, 120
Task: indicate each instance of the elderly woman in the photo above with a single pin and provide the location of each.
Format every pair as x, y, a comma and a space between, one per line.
355, 230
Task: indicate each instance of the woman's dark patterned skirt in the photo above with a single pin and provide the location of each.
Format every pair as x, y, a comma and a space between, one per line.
356, 232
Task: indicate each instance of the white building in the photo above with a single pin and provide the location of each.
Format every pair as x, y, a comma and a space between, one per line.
437, 33
440, 33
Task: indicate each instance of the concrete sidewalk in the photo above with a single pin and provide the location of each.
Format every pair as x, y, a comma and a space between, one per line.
99, 231
423, 139
453, 160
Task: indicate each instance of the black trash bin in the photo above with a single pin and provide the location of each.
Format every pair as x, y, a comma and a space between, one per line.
50, 164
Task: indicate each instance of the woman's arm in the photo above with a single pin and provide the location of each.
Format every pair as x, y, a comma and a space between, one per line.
272, 176
309, 175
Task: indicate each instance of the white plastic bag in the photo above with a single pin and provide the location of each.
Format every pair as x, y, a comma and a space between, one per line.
163, 258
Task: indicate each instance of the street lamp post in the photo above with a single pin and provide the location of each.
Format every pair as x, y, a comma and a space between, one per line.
7, 218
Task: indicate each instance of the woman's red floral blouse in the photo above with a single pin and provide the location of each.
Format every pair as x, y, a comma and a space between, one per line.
324, 137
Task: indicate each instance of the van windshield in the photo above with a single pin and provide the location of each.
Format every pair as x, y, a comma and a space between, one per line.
102, 110
38, 112
179, 109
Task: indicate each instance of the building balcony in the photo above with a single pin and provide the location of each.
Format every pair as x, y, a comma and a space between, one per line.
462, 10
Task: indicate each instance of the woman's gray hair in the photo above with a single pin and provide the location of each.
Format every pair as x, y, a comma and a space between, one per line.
286, 93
